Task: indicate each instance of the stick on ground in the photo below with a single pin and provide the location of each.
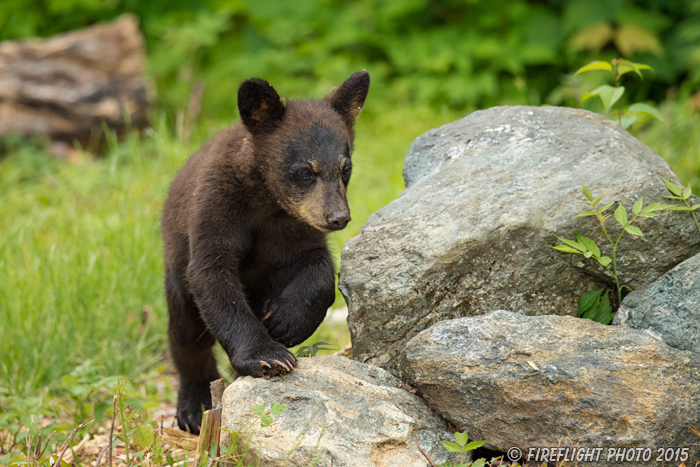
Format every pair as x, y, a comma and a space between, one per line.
209, 435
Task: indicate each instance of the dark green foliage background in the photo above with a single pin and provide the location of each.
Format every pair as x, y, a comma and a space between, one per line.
463, 54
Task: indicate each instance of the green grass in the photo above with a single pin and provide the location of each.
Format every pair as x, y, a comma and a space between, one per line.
80, 247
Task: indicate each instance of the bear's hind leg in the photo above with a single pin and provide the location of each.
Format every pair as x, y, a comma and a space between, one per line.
191, 350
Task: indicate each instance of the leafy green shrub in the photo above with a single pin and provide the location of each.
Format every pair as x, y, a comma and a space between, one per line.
610, 95
590, 306
463, 446
680, 194
460, 54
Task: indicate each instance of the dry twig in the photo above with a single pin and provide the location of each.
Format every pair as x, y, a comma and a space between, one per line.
70, 440
426, 456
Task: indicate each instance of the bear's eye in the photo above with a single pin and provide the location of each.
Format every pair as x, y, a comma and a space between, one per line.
305, 175
346, 173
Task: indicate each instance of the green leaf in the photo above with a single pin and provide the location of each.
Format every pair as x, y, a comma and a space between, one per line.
277, 409
597, 200
589, 244
686, 194
594, 306
606, 207
637, 208
594, 66
609, 95
474, 445
479, 463
657, 207
673, 188
452, 447
634, 230
586, 192
604, 260
625, 66
169, 459
588, 300
643, 66
605, 314
566, 249
100, 410
621, 215
265, 420
586, 213
462, 438
627, 120
143, 436
647, 109
679, 198
572, 244
258, 409
679, 207
694, 207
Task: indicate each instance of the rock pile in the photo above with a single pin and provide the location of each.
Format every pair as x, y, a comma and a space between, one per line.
486, 196
454, 289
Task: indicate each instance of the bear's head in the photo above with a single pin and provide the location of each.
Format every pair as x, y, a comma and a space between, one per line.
303, 149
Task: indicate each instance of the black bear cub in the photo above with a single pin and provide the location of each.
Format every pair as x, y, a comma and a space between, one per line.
244, 236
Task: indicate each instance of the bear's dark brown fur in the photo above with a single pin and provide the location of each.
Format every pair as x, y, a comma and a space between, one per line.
244, 227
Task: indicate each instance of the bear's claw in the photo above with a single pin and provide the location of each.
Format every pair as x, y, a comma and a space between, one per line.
288, 368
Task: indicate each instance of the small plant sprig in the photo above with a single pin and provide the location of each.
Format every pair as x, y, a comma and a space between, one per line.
678, 193
463, 446
265, 414
610, 95
142, 445
236, 450
589, 249
312, 350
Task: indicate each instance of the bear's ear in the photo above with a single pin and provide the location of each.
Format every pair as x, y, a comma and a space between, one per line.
348, 98
260, 106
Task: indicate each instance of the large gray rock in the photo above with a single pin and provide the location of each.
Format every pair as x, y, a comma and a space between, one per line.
669, 307
533, 381
361, 414
486, 197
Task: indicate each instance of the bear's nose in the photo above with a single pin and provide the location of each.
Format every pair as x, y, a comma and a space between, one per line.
338, 219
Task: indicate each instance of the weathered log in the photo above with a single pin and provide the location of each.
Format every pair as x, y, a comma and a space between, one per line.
69, 85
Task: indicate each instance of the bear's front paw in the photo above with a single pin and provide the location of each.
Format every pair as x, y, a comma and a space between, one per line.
264, 360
